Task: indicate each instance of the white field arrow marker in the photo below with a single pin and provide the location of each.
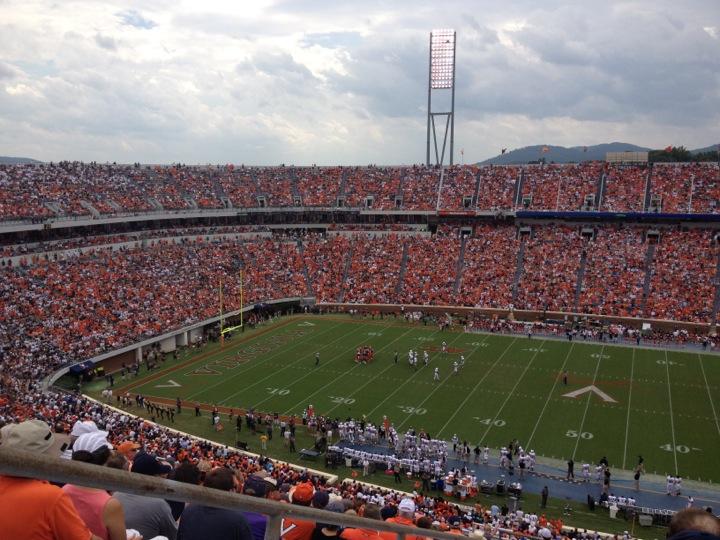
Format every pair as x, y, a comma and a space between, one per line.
170, 384
592, 388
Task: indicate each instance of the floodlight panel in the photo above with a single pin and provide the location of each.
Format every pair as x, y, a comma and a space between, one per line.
442, 58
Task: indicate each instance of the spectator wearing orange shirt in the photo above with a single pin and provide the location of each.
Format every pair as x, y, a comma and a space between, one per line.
34, 508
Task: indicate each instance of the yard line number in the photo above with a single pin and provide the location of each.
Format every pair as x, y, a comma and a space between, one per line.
680, 448
412, 410
278, 391
342, 400
491, 422
573, 434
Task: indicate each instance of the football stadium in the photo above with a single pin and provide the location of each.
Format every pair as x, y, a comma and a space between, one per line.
266, 347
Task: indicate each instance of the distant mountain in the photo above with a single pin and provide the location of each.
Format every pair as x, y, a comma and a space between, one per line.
561, 154
711, 148
6, 160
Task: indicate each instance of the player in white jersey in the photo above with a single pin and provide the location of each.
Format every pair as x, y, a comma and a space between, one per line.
436, 374
426, 358
586, 472
485, 455
532, 459
462, 360
455, 367
444, 346
669, 484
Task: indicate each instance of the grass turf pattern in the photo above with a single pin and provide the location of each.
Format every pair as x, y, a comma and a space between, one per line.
665, 403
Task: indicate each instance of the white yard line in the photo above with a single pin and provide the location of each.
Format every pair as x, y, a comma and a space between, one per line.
672, 421
436, 389
334, 381
549, 397
627, 420
707, 386
255, 363
391, 394
457, 410
370, 381
587, 404
273, 373
520, 378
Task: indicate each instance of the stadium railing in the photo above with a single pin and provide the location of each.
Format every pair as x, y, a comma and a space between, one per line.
26, 465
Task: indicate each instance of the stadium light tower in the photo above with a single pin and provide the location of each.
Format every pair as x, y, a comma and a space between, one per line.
441, 78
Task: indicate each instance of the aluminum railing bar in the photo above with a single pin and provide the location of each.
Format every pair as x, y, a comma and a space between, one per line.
22, 464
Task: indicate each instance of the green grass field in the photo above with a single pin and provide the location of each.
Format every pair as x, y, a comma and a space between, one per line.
664, 404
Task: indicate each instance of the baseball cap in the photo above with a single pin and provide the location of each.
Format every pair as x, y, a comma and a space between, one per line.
30, 436
127, 446
81, 427
454, 521
89, 442
303, 493
149, 465
406, 505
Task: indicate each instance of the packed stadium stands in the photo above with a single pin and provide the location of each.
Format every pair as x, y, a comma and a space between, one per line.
69, 295
77, 189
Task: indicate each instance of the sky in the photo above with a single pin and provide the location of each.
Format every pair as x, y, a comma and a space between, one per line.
345, 82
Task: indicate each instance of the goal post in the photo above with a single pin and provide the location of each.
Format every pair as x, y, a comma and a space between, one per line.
223, 329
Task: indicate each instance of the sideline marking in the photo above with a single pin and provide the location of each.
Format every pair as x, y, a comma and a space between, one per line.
587, 405
307, 398
712, 405
672, 422
627, 420
520, 378
291, 364
415, 374
476, 387
252, 365
550, 394
378, 375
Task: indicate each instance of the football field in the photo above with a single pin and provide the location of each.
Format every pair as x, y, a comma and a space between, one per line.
619, 402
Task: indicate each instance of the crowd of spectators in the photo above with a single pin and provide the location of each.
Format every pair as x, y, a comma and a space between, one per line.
319, 187
38, 191
497, 187
614, 272
624, 189
51, 311
549, 269
458, 185
374, 271
674, 186
489, 266
682, 285
420, 188
560, 187
324, 260
431, 271
693, 187
379, 183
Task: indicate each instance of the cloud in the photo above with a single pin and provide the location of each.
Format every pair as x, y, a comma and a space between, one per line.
106, 42
7, 71
131, 17
301, 81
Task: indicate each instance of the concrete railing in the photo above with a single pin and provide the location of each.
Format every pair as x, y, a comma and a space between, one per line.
26, 465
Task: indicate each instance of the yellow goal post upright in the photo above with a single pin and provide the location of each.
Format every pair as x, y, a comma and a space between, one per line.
225, 330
